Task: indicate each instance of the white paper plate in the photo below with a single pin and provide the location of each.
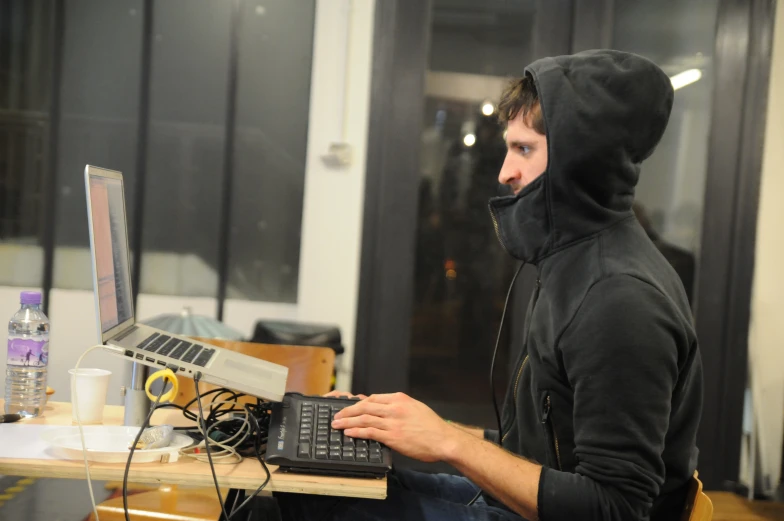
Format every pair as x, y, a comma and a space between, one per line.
109, 444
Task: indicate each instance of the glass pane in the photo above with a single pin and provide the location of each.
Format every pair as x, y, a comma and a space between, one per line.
679, 37
25, 90
276, 55
98, 125
461, 272
190, 56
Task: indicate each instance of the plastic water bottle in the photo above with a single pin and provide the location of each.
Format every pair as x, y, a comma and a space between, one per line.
28, 355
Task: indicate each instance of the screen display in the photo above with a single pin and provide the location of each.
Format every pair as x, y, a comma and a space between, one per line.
111, 251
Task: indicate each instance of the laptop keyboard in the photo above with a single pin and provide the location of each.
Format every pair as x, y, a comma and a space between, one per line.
177, 349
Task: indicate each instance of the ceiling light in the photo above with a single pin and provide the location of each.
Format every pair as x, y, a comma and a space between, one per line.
684, 78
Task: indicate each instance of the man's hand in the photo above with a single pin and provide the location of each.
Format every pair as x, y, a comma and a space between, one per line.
401, 423
343, 394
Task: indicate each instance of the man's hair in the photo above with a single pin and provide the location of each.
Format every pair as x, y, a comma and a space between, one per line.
520, 97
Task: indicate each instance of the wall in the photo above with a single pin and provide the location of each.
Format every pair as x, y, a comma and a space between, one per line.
766, 335
331, 221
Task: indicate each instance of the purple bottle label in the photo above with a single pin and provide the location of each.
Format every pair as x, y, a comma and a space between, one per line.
25, 352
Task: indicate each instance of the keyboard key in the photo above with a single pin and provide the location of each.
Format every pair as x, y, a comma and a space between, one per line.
322, 439
304, 450
191, 354
204, 357
304, 437
322, 446
334, 445
375, 457
158, 342
348, 442
168, 346
334, 436
147, 340
321, 454
348, 454
362, 444
361, 456
334, 454
180, 350
375, 445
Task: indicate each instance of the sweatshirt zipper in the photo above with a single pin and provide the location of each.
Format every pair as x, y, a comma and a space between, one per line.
495, 227
549, 430
514, 396
525, 360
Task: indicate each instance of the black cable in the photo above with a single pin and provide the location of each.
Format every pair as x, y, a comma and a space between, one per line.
258, 416
196, 379
492, 365
257, 448
133, 449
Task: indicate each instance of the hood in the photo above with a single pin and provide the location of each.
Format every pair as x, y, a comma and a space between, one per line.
604, 113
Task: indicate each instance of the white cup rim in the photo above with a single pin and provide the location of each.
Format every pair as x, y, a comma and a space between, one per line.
89, 371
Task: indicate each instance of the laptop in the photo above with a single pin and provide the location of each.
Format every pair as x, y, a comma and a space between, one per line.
123, 336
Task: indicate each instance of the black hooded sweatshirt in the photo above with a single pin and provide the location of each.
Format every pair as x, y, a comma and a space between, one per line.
606, 393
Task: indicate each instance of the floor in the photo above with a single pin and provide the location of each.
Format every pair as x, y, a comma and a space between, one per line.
730, 507
27, 499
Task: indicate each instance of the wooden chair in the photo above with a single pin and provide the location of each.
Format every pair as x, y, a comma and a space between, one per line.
699, 507
310, 372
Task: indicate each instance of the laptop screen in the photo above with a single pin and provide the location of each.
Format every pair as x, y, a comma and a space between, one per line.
113, 272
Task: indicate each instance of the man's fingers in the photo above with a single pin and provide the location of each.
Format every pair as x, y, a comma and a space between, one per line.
386, 398
344, 394
364, 407
338, 394
368, 433
364, 420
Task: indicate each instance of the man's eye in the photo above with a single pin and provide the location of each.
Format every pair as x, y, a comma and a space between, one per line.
524, 150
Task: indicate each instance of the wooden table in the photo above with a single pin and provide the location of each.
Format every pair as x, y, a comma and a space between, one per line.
246, 475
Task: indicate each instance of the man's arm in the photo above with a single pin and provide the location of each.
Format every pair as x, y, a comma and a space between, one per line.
413, 429
478, 432
505, 476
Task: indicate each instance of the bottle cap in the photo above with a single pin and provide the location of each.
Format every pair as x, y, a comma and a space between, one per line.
31, 297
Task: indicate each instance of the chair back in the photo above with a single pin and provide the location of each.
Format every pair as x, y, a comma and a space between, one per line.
699, 507
310, 368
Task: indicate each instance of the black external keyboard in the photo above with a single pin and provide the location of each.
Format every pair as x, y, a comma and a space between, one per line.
301, 439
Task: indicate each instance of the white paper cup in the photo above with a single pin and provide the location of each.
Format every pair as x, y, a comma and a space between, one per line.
88, 393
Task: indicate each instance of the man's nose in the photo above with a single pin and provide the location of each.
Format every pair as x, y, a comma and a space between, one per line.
508, 174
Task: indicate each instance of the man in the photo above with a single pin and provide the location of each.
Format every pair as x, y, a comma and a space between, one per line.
601, 416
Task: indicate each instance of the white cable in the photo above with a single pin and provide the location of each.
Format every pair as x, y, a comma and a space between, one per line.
74, 401
228, 448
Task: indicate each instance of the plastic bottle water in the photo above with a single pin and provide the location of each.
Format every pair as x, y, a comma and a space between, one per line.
28, 355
